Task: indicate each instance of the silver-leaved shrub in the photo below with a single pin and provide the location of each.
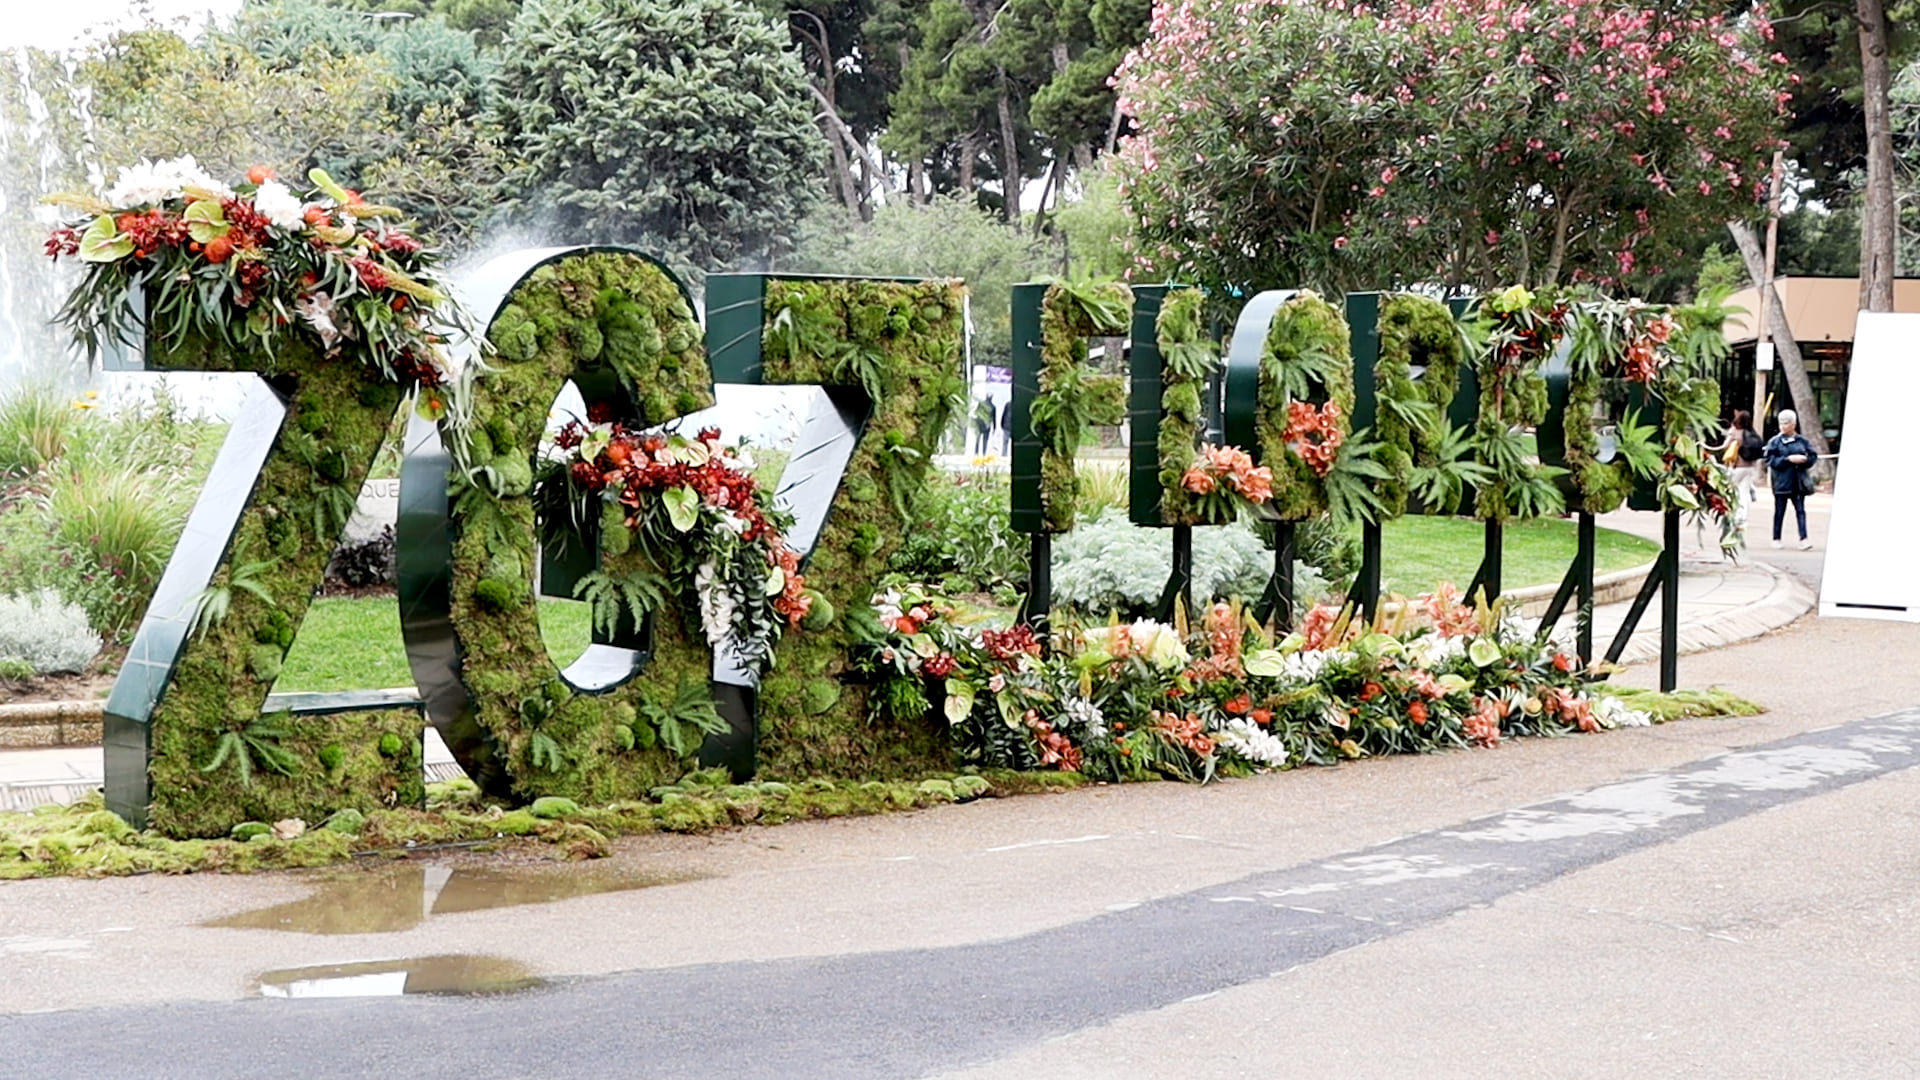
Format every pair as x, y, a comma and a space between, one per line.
1109, 564
48, 633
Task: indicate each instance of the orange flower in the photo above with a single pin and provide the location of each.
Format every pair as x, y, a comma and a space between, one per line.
259, 174
1238, 706
1262, 716
1417, 711
1197, 481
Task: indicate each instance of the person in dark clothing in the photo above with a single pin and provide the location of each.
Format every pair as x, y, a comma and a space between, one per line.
1790, 459
982, 424
1006, 428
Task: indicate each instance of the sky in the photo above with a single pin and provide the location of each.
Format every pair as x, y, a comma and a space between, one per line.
57, 25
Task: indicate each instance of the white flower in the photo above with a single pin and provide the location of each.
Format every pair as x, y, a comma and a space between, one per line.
1087, 716
317, 311
1253, 742
278, 205
716, 604
1614, 713
151, 183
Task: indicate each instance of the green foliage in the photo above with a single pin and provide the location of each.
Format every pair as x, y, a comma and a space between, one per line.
949, 237
1307, 356
1338, 144
41, 634
1070, 398
684, 720
255, 746
1189, 358
608, 597
917, 327
36, 423
960, 535
1418, 332
709, 107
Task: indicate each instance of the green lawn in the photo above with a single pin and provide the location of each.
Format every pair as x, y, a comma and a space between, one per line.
1418, 553
354, 644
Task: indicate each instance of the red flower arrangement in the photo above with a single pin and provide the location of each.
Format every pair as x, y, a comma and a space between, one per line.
1314, 433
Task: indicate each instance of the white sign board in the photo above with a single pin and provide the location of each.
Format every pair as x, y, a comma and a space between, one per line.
1870, 571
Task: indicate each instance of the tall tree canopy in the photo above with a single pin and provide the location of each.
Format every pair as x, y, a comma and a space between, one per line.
685, 125
1297, 142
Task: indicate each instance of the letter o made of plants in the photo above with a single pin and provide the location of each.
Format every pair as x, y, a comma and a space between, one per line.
1290, 394
621, 327
1522, 331
1415, 379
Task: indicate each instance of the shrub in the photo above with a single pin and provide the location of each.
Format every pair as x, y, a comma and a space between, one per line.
114, 535
962, 537
46, 633
35, 424
364, 563
1109, 564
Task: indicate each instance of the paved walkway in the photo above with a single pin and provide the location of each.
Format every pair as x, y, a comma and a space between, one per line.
1721, 602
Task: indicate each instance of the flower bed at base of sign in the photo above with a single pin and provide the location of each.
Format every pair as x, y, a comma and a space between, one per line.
696, 507
243, 263
1143, 699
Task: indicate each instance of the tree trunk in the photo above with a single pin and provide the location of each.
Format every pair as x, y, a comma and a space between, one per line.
1877, 221
969, 153
1009, 153
1053, 179
1785, 348
916, 168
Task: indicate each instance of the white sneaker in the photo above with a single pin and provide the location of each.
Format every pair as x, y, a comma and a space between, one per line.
1776, 543
1806, 545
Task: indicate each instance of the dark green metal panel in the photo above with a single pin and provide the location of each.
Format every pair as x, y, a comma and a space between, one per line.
736, 314
1240, 399
1550, 437
1363, 326
1144, 389
1026, 510
1643, 406
1465, 409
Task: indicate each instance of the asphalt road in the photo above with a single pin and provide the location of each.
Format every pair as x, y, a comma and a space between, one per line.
910, 1013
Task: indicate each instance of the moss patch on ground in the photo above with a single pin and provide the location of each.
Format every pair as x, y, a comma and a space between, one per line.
85, 840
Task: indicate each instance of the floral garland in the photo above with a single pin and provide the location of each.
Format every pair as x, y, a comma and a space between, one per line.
1188, 358
240, 264
1307, 348
1669, 353
1143, 699
1070, 398
1411, 421
1521, 331
705, 520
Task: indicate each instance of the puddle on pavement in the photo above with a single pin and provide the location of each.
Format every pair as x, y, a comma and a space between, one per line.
392, 978
404, 895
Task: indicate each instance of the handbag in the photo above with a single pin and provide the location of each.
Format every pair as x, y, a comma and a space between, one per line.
1803, 481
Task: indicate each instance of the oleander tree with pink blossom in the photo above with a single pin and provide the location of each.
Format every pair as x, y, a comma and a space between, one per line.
1348, 144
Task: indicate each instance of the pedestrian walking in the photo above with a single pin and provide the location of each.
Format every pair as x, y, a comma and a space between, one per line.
1006, 428
1790, 459
1741, 449
982, 425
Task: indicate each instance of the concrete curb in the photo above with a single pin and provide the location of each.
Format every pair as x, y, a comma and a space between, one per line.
1621, 585
1787, 600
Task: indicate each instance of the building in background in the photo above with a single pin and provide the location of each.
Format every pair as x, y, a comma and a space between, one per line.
1820, 313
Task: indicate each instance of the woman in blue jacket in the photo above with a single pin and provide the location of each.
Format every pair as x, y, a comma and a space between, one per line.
1790, 459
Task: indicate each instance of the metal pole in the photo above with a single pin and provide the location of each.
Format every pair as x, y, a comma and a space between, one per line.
1490, 559
1670, 607
1283, 545
1040, 583
1366, 586
1584, 559
1179, 590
